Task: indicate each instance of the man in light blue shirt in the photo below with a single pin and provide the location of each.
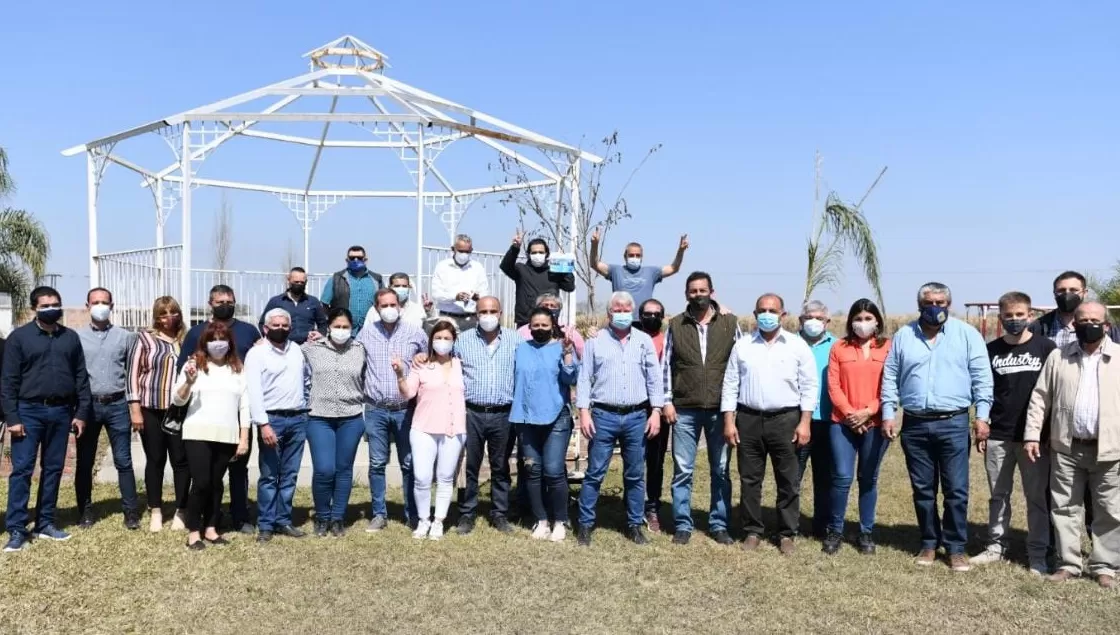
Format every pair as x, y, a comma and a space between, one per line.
936, 370
814, 330
632, 276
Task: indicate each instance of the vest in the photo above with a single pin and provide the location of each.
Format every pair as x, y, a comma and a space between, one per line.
341, 288
696, 383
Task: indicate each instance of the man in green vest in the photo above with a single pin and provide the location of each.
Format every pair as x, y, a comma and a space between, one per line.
697, 347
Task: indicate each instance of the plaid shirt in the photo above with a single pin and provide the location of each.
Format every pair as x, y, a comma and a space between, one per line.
1062, 336
380, 381
617, 374
488, 371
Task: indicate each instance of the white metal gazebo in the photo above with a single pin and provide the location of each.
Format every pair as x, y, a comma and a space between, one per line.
413, 124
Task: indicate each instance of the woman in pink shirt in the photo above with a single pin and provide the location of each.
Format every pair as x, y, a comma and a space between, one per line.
439, 426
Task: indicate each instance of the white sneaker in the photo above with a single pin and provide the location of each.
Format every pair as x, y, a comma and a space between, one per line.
541, 531
1040, 569
559, 532
179, 522
155, 524
422, 529
436, 532
988, 556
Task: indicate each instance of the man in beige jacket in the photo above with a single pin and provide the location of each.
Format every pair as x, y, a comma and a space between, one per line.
1078, 392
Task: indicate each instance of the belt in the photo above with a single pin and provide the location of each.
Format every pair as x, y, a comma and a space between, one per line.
1085, 441
934, 416
621, 410
767, 413
473, 407
287, 413
390, 407
50, 401
109, 398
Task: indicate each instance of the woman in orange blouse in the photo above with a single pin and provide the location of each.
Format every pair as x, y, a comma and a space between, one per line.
855, 376
439, 426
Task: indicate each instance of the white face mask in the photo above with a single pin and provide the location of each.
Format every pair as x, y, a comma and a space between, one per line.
389, 314
537, 260
340, 336
462, 258
865, 329
402, 294
100, 312
634, 263
217, 349
813, 327
488, 322
443, 347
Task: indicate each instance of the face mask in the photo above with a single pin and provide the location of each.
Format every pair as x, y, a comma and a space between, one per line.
933, 315
488, 322
462, 258
813, 328
443, 347
222, 311
633, 264
699, 304
100, 312
651, 324
49, 316
402, 294
1067, 302
537, 260
768, 322
1089, 333
555, 315
278, 336
1014, 327
389, 314
340, 336
217, 348
622, 320
297, 288
541, 336
865, 329
171, 323
356, 266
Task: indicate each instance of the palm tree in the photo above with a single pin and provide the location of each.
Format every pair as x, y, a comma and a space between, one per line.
6, 183
24, 246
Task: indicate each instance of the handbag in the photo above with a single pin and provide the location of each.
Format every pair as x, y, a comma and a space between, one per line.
173, 418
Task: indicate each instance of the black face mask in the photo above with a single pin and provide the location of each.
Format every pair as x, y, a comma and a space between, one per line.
222, 312
49, 316
541, 336
1067, 302
699, 304
297, 288
1014, 327
651, 323
277, 336
1089, 333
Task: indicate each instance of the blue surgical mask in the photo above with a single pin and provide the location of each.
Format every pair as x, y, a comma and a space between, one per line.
356, 266
768, 322
933, 315
402, 294
622, 320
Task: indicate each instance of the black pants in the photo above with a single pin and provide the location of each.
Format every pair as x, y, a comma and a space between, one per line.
239, 488
208, 462
158, 445
762, 436
493, 432
655, 468
819, 451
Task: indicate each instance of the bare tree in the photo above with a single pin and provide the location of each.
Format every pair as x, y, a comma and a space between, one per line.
551, 219
223, 238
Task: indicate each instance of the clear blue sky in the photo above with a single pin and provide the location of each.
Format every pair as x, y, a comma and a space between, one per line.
998, 120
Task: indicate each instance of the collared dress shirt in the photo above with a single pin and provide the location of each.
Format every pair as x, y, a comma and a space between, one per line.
449, 280
619, 373
278, 380
381, 345
106, 351
770, 376
488, 368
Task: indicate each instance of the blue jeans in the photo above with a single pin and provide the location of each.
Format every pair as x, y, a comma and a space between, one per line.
113, 417
46, 429
819, 451
629, 431
383, 426
870, 448
334, 443
279, 465
686, 436
937, 455
545, 452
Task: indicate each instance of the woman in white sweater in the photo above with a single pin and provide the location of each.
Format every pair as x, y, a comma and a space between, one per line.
215, 429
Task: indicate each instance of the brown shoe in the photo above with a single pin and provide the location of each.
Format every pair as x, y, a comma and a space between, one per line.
1062, 575
926, 558
751, 543
786, 546
1106, 581
959, 562
653, 522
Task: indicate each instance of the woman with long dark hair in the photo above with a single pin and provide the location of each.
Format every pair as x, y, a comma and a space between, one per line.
855, 377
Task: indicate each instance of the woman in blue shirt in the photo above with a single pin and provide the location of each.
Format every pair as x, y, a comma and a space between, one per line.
545, 371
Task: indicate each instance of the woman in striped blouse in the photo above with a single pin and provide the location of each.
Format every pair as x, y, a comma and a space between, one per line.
151, 374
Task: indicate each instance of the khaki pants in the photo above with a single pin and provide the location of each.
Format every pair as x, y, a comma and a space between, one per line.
1068, 477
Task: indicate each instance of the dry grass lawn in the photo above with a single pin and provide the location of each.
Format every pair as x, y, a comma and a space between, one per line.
107, 580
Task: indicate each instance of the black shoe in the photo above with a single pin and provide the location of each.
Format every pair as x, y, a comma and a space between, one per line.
196, 546
336, 529
132, 520
723, 538
289, 531
866, 545
501, 524
682, 537
583, 536
465, 526
264, 536
219, 541
832, 543
321, 528
636, 535
245, 528
87, 520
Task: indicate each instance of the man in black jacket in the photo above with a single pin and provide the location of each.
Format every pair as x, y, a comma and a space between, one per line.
533, 278
1070, 289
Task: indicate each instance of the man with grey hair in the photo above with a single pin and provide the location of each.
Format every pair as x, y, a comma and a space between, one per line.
814, 321
937, 369
278, 387
457, 284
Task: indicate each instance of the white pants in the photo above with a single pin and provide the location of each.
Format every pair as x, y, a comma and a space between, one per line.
442, 452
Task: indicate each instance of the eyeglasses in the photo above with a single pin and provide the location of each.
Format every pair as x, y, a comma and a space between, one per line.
653, 315
355, 258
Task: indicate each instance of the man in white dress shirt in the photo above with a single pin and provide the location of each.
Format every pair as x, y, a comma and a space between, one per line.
457, 284
278, 407
769, 394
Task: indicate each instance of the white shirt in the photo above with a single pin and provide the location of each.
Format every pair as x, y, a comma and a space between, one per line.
219, 405
449, 280
1087, 407
766, 377
277, 380
411, 313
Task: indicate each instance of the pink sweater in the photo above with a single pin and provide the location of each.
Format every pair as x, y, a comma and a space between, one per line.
440, 405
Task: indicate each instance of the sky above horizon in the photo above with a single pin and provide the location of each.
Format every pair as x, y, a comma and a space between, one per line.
997, 121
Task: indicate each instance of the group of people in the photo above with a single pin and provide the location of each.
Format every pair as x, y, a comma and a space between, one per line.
367, 360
